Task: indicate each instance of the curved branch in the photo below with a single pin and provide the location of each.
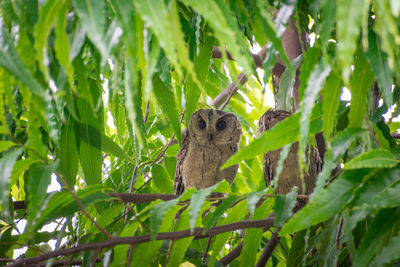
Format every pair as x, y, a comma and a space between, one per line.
197, 233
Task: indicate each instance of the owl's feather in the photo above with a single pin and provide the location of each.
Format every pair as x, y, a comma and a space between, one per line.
211, 138
290, 174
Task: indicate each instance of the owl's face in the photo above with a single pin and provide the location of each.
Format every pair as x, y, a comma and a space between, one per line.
210, 127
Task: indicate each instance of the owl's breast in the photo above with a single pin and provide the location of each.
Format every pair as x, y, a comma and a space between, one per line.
202, 163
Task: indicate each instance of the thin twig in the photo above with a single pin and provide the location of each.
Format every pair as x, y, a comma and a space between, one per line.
206, 250
129, 260
146, 115
82, 208
130, 190
169, 253
339, 233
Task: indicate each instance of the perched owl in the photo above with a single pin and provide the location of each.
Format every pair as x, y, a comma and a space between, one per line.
212, 136
290, 174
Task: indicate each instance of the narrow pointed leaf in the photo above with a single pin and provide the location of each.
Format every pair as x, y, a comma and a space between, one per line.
157, 214
359, 86
377, 158
68, 166
11, 61
380, 67
331, 95
285, 132
224, 25
348, 13
196, 202
327, 203
284, 206
92, 14
7, 163
166, 100
379, 232
388, 254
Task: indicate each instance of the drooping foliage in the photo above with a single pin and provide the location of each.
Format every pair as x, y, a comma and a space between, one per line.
94, 96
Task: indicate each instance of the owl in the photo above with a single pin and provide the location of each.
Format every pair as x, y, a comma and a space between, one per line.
212, 136
290, 174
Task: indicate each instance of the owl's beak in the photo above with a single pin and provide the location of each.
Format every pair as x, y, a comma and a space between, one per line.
210, 137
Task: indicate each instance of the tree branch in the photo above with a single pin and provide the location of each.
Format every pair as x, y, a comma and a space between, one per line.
232, 88
216, 53
268, 249
197, 233
146, 198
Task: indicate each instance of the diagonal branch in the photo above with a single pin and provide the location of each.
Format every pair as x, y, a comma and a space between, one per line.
197, 233
232, 88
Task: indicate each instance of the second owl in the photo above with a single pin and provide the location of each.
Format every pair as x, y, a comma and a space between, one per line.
212, 136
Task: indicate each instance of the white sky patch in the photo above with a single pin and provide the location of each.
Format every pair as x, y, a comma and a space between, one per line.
346, 95
110, 63
110, 120
53, 86
54, 185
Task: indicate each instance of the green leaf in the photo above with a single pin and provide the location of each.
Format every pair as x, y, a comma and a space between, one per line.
328, 13
68, 166
252, 237
64, 205
349, 12
196, 202
162, 180
36, 186
284, 205
61, 44
235, 214
5, 145
178, 251
90, 143
311, 58
327, 203
252, 200
376, 158
7, 163
284, 132
166, 99
201, 67
379, 232
11, 62
110, 147
224, 25
331, 95
388, 253
217, 214
92, 14
48, 14
157, 214
359, 86
272, 34
298, 249
380, 67
145, 253
340, 144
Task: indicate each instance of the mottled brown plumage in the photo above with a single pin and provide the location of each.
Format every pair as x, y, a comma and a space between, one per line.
290, 174
212, 136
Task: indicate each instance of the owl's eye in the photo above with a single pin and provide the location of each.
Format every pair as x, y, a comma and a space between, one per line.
202, 124
221, 124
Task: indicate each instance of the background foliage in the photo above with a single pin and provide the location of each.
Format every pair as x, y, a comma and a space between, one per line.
94, 93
